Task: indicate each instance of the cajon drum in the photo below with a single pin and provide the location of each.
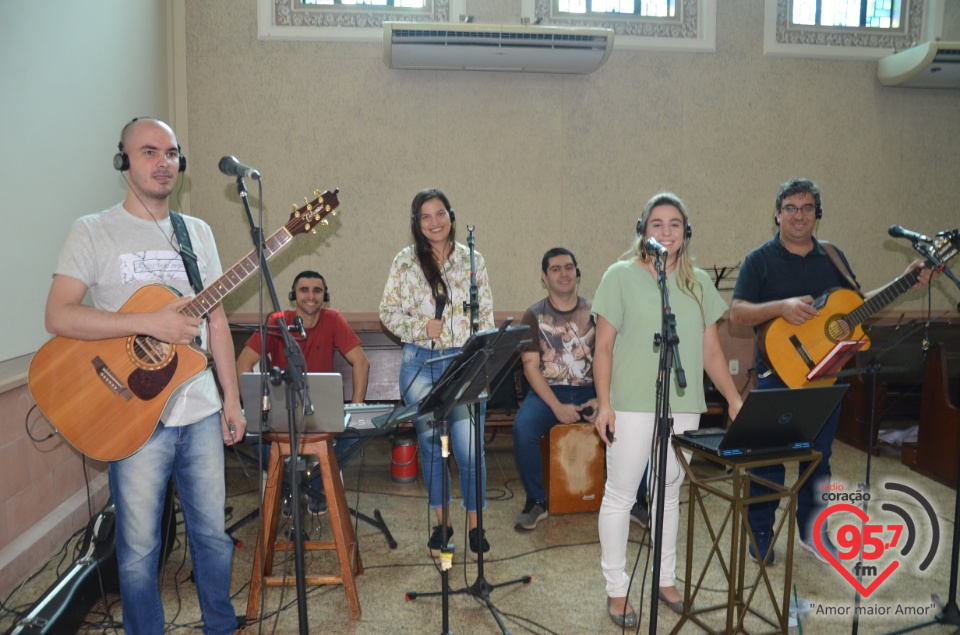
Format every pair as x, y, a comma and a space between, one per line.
573, 468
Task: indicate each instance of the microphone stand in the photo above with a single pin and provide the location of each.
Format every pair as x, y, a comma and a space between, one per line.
669, 343
872, 370
949, 612
481, 588
295, 378
466, 381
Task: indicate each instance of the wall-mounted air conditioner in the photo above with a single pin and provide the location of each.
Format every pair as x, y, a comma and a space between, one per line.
927, 65
494, 47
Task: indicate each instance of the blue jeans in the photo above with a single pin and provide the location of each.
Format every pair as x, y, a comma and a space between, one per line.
535, 419
416, 380
809, 501
193, 456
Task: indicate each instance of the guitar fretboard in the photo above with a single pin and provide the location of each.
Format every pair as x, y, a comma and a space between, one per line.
882, 299
211, 296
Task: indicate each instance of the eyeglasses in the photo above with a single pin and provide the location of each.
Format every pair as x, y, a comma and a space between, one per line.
791, 210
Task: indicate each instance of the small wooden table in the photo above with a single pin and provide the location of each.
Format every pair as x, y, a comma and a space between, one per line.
733, 486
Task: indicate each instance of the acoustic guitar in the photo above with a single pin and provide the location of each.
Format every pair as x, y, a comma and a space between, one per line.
106, 396
792, 351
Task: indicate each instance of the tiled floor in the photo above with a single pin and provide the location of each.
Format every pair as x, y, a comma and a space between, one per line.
566, 592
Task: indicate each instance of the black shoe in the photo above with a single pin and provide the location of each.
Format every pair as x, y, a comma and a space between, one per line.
317, 504
435, 544
478, 541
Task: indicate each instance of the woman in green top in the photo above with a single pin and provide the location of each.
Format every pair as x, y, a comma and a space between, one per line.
628, 309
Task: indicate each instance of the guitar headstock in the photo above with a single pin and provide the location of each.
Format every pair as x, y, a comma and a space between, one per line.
946, 244
306, 217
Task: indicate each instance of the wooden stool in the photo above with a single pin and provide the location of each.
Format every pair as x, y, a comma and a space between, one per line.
344, 540
573, 468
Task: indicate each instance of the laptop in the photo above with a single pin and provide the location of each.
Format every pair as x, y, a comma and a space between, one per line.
771, 421
326, 394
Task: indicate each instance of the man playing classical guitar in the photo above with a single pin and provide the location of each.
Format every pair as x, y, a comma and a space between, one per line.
781, 279
113, 254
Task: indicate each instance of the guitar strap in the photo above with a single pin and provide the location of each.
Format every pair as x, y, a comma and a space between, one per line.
837, 261
186, 251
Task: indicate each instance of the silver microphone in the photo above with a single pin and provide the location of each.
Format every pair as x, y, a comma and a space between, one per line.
653, 247
232, 167
899, 232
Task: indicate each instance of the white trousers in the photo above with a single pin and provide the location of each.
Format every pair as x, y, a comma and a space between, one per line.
626, 462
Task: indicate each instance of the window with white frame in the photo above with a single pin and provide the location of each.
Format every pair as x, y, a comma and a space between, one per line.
600, 8
644, 18
867, 29
680, 25
356, 13
409, 4
868, 14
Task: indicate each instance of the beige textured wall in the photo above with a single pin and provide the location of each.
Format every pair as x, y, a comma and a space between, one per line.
536, 160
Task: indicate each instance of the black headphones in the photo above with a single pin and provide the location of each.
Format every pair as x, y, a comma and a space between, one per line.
798, 186
121, 161
642, 222
309, 274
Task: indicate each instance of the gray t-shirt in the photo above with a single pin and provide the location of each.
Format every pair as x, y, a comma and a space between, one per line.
115, 253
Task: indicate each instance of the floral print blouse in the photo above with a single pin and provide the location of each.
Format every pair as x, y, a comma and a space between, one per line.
407, 304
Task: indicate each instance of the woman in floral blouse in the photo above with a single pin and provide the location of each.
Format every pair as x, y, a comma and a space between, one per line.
435, 266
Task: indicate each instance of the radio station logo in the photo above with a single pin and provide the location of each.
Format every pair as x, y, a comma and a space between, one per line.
871, 551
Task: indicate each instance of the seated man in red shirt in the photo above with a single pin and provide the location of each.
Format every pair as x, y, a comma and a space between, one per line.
326, 331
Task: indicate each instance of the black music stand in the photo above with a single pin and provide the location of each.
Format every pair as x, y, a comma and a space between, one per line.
466, 381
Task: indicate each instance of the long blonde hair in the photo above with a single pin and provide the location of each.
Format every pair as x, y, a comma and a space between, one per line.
686, 277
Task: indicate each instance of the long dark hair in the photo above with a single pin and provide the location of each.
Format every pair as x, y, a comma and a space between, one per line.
422, 247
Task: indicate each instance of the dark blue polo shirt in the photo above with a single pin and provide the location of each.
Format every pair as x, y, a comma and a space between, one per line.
770, 272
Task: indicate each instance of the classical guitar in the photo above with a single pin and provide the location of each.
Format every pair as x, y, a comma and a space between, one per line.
106, 396
791, 351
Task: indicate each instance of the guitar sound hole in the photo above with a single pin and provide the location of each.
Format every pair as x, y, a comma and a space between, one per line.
149, 353
837, 329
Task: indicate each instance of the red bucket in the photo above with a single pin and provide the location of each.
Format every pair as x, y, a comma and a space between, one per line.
404, 464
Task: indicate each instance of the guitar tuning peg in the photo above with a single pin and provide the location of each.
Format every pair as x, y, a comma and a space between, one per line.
316, 193
324, 222
293, 207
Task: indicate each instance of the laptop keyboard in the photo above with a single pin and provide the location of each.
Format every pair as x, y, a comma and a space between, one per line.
711, 442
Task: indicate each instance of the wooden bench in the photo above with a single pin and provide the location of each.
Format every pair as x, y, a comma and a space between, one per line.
384, 351
938, 442
901, 380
